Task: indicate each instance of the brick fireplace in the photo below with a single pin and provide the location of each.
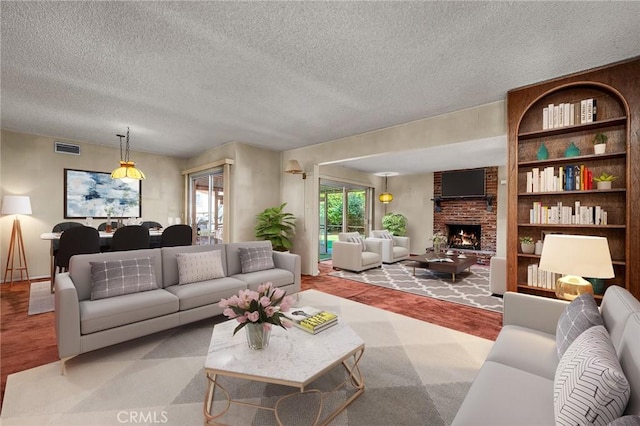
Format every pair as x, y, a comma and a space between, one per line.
469, 215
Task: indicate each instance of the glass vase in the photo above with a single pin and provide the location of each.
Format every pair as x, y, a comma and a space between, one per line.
257, 335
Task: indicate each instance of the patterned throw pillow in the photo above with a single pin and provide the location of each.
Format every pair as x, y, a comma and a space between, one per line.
386, 235
590, 387
118, 277
582, 313
196, 267
360, 241
254, 259
630, 420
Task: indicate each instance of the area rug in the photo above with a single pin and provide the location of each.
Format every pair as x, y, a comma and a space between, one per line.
470, 288
415, 373
41, 299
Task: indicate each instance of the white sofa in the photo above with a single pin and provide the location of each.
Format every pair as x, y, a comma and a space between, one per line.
515, 385
356, 256
84, 325
394, 248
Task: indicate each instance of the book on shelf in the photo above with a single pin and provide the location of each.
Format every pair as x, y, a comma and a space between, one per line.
310, 319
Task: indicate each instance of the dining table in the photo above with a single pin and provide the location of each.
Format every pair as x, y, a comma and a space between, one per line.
154, 233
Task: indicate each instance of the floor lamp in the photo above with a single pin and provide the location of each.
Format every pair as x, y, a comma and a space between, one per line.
17, 205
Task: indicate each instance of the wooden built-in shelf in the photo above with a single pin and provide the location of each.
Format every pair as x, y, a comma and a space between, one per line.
600, 124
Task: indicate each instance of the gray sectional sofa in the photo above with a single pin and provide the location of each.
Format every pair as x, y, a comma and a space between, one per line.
85, 323
515, 385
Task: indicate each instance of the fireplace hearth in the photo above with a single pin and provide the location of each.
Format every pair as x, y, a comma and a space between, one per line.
464, 236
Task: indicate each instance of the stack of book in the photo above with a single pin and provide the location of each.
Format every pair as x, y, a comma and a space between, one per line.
311, 320
569, 114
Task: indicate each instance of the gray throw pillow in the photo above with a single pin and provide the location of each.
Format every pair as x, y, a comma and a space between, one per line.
589, 387
253, 259
118, 277
582, 313
360, 241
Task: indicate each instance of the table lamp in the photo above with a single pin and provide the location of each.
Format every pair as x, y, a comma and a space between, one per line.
16, 204
576, 256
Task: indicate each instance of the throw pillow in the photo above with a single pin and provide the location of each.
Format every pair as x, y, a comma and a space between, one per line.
582, 313
386, 235
360, 241
118, 277
196, 267
253, 259
589, 387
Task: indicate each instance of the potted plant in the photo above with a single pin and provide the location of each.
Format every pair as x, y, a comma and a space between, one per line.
600, 143
395, 223
527, 245
604, 180
439, 240
276, 226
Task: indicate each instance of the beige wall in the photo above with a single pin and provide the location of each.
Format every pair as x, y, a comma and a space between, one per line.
412, 194
29, 166
254, 184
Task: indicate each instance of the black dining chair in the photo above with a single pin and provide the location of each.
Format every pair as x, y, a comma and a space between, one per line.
177, 235
61, 227
132, 237
149, 224
75, 240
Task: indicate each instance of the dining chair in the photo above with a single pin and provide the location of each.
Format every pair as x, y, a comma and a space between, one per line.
75, 240
177, 235
61, 227
132, 237
149, 224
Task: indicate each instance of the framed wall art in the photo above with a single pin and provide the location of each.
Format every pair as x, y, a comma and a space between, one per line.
95, 194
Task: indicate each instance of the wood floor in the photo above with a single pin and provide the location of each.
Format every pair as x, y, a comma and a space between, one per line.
29, 341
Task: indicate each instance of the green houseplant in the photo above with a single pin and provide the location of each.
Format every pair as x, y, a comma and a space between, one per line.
277, 226
395, 223
527, 245
604, 180
600, 143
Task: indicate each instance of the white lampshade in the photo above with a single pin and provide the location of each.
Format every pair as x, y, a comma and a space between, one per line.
293, 166
580, 255
16, 204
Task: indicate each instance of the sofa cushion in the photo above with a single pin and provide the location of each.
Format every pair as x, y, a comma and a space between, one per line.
582, 313
205, 293
254, 259
278, 277
118, 277
104, 314
505, 396
196, 267
626, 421
590, 386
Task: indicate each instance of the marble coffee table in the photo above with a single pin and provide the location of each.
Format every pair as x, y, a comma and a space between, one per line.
293, 358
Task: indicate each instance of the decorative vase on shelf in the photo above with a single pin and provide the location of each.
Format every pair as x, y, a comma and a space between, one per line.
257, 335
543, 152
572, 151
600, 148
528, 248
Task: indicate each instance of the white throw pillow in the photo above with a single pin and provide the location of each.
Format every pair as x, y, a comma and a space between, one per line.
590, 387
196, 267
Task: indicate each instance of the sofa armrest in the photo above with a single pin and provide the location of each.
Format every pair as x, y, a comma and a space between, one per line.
67, 316
386, 247
374, 245
346, 255
535, 312
402, 242
290, 262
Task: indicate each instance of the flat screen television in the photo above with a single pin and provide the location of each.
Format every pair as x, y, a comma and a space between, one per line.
463, 183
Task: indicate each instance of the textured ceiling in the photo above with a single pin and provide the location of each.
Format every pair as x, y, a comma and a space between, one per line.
187, 76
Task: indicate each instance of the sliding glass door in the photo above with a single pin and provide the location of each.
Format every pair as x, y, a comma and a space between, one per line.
344, 207
206, 206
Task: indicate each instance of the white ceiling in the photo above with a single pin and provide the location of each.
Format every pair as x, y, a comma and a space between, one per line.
188, 76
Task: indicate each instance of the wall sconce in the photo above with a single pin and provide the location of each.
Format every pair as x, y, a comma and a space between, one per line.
294, 168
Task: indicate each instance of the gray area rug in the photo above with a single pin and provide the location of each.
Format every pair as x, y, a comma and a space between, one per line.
41, 299
470, 288
415, 373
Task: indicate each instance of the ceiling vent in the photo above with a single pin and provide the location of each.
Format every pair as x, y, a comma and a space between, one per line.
66, 148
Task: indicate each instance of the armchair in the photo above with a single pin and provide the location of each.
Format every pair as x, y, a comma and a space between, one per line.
393, 248
356, 255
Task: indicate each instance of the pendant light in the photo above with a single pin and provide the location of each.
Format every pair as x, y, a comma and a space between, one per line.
127, 169
385, 197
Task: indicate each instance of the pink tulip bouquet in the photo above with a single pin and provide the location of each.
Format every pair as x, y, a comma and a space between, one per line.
265, 306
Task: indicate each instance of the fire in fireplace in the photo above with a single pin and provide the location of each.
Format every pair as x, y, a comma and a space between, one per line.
464, 236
